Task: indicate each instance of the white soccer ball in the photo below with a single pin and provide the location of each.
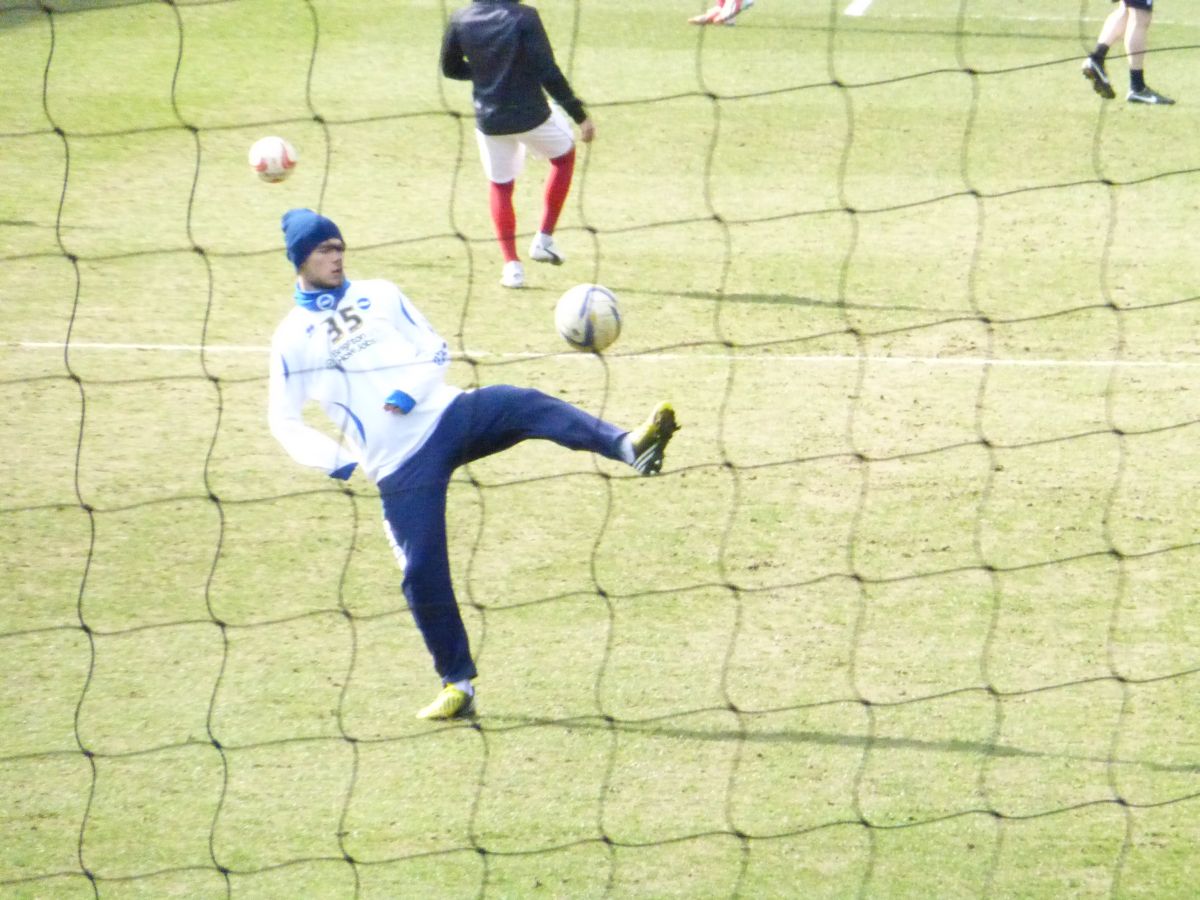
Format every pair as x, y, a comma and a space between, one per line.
588, 317
272, 158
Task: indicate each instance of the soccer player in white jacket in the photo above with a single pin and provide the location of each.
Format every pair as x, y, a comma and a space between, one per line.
377, 368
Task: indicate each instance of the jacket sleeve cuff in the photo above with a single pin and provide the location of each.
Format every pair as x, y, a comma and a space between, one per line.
402, 401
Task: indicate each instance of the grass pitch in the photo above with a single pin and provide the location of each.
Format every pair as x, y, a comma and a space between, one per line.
911, 612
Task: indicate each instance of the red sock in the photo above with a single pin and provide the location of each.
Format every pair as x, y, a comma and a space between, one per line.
504, 219
558, 183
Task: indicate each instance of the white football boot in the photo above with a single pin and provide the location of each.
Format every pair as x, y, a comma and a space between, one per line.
513, 275
543, 249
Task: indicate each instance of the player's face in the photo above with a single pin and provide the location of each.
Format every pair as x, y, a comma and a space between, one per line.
323, 268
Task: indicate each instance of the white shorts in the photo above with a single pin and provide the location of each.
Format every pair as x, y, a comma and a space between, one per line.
503, 155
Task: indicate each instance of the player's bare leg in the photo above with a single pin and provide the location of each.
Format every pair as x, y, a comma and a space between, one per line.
1111, 31
1135, 46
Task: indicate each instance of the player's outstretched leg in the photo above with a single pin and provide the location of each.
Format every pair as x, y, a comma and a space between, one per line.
650, 439
493, 418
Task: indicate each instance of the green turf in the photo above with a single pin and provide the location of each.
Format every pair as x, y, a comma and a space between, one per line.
911, 611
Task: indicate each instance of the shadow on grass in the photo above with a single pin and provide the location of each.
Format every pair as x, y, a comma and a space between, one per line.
833, 739
60, 7
746, 23
793, 300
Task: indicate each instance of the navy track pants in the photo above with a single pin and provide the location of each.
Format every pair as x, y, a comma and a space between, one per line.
477, 424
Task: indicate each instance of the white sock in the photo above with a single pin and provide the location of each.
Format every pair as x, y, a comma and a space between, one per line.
627, 449
465, 687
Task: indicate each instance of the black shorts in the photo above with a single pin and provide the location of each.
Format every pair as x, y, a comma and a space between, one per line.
1147, 5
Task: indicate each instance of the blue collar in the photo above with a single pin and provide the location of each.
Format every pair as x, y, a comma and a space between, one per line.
317, 301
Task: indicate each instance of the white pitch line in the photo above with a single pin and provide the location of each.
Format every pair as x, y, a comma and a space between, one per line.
816, 359
175, 348
860, 7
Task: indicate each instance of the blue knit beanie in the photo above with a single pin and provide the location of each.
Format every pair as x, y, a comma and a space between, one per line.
303, 230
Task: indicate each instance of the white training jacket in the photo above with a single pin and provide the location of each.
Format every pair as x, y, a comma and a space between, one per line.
351, 355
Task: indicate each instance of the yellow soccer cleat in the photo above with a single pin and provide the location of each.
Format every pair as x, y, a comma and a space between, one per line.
651, 438
451, 703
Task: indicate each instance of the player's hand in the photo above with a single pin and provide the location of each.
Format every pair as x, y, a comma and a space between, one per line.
587, 130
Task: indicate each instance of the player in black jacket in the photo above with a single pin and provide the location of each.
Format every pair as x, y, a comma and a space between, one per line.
501, 47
